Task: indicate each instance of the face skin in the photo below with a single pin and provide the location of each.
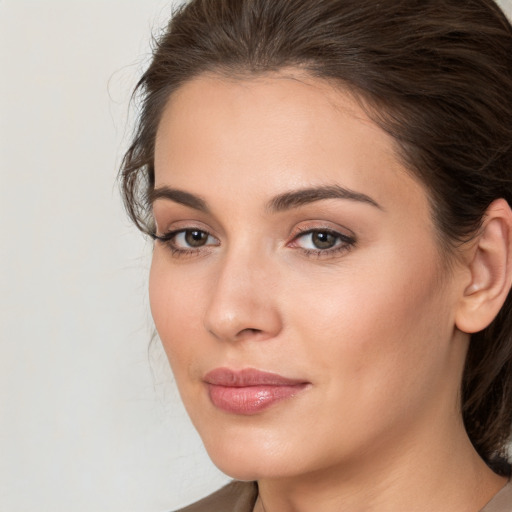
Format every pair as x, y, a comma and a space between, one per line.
368, 323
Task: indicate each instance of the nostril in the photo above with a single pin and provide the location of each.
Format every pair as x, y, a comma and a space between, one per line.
249, 331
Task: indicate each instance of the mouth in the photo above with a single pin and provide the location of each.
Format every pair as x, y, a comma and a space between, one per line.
249, 391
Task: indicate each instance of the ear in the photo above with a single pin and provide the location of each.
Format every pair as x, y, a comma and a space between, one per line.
490, 270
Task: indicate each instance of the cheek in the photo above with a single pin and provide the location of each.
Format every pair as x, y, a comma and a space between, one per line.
384, 332
174, 299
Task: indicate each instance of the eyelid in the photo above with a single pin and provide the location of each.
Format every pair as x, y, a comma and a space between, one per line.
172, 233
165, 227
337, 234
315, 226
345, 241
177, 247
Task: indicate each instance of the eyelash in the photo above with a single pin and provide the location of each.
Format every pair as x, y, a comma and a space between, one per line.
168, 239
343, 242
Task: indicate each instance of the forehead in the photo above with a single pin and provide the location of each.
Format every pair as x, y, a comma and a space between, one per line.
286, 101
265, 135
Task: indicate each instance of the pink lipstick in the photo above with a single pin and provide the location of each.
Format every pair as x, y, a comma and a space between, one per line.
249, 391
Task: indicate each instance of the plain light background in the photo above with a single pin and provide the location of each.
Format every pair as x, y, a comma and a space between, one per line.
88, 421
84, 425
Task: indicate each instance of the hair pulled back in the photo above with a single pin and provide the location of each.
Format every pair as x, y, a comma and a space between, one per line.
435, 74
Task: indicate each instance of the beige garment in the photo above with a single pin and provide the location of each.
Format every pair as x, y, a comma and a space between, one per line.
234, 497
502, 502
241, 497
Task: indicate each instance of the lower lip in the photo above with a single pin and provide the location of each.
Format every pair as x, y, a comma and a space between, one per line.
250, 400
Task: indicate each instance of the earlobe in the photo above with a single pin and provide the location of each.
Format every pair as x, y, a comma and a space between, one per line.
490, 269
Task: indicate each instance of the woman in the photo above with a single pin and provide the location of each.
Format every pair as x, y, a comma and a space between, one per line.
328, 186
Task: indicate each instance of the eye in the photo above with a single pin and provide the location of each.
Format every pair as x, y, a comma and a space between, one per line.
191, 238
186, 240
322, 240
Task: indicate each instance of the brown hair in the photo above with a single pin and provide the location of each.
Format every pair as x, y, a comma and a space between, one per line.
435, 74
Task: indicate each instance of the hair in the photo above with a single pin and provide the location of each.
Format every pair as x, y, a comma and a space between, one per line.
435, 74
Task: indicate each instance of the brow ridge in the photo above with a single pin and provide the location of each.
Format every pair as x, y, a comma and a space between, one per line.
178, 196
297, 198
281, 202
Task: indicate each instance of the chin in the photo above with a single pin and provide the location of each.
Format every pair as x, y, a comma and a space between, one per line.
258, 456
242, 462
248, 470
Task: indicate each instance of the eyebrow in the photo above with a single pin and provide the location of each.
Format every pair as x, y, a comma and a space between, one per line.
297, 198
282, 202
178, 196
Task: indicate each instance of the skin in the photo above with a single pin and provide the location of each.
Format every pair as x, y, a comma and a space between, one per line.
370, 324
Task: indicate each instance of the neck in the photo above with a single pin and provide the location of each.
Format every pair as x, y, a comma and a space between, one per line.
421, 473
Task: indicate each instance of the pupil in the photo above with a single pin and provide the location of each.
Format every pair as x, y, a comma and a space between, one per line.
323, 240
196, 238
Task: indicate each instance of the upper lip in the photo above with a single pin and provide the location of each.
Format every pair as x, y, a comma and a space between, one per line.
247, 377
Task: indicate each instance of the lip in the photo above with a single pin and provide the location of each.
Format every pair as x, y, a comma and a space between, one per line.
249, 391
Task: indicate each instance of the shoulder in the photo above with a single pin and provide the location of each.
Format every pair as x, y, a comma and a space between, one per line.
234, 497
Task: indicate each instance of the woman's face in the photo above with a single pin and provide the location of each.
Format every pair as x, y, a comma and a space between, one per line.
299, 290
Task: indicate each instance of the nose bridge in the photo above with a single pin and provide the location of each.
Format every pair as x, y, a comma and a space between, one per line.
242, 301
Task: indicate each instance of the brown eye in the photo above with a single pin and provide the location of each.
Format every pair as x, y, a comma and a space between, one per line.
186, 240
195, 238
324, 239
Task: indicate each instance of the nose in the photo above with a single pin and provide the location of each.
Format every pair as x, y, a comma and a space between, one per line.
243, 303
